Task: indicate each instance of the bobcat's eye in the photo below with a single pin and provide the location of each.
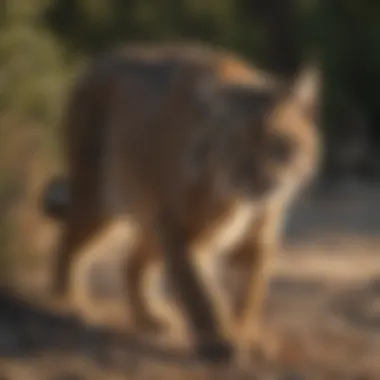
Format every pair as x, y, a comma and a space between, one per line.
281, 149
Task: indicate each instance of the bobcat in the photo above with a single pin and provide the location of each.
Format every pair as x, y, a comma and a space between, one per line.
177, 152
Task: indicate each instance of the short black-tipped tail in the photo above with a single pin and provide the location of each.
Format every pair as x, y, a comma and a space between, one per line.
54, 199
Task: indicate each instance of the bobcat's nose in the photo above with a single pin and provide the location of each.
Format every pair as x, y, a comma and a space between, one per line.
252, 177
281, 149
265, 185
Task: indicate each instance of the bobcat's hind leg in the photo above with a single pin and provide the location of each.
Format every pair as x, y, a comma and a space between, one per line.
135, 269
72, 285
76, 233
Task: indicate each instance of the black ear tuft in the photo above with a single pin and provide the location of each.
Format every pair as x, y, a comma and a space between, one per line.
306, 88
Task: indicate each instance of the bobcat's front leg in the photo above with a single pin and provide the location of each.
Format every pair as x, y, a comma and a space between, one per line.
193, 297
251, 261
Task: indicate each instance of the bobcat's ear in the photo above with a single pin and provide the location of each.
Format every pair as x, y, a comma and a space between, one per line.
306, 88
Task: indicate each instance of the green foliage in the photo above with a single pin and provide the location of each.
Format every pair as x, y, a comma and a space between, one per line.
40, 40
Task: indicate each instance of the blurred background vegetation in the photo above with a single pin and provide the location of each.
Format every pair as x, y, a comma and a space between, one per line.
44, 43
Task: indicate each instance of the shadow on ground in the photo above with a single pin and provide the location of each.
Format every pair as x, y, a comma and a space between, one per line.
317, 330
28, 329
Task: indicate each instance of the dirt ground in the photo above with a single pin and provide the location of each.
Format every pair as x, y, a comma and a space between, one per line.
322, 318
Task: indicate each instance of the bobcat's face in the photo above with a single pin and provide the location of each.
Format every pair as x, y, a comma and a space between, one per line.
259, 161
263, 143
